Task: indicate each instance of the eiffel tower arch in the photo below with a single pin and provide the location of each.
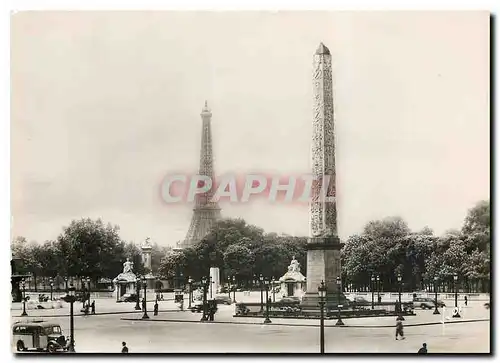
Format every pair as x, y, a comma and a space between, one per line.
206, 211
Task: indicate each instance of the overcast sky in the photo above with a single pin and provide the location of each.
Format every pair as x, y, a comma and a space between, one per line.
105, 104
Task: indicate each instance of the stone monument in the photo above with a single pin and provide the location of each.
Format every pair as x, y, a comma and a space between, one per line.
146, 254
125, 283
323, 247
292, 282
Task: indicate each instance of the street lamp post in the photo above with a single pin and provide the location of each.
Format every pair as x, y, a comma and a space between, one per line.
51, 288
66, 283
23, 284
274, 289
144, 282
204, 282
190, 284
261, 280
234, 289
372, 278
71, 299
378, 289
322, 295
229, 287
267, 320
138, 292
339, 306
400, 312
455, 279
88, 286
436, 311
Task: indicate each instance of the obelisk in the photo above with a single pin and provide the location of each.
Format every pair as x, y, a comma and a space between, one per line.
323, 247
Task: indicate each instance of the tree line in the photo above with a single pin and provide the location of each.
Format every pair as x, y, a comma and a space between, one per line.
85, 248
384, 248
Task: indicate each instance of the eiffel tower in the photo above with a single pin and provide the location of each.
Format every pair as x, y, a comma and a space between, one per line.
206, 211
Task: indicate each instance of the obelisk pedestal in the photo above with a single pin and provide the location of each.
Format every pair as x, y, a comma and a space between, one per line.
323, 247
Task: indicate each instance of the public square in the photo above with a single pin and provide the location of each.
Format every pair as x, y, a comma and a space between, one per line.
182, 332
198, 157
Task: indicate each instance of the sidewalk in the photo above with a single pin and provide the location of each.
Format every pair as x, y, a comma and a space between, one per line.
225, 317
103, 307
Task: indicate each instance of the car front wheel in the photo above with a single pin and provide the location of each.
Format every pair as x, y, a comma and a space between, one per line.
20, 346
51, 348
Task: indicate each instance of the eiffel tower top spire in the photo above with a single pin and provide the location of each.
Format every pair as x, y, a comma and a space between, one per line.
205, 111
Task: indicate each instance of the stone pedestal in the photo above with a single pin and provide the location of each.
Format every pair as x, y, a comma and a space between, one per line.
323, 264
215, 281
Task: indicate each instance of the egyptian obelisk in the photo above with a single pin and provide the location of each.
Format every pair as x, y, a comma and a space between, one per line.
323, 247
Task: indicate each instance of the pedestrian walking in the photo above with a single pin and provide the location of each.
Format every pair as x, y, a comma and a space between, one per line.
161, 297
465, 300
124, 347
423, 350
399, 329
155, 309
92, 307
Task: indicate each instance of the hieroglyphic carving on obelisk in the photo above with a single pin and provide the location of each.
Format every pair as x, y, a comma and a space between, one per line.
323, 209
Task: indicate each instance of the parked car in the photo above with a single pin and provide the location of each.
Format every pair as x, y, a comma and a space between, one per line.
128, 298
427, 303
359, 301
223, 299
39, 335
289, 299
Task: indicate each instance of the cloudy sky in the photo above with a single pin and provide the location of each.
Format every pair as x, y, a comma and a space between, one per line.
105, 104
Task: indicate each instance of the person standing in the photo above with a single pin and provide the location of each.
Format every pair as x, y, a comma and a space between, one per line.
465, 300
124, 347
92, 307
155, 308
399, 330
423, 350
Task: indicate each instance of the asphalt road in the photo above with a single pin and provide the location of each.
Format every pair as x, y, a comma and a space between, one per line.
104, 334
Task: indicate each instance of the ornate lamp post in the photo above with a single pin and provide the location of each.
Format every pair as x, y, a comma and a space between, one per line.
190, 284
204, 282
436, 311
455, 279
51, 288
88, 286
400, 312
378, 288
339, 306
144, 282
138, 292
23, 284
322, 296
234, 289
372, 278
71, 298
267, 320
273, 286
261, 280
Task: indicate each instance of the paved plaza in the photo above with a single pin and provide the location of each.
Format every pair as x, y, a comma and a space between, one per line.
181, 331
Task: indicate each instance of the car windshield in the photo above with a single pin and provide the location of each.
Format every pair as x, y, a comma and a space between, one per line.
53, 330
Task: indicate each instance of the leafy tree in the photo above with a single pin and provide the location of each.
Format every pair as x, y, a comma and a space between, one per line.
90, 248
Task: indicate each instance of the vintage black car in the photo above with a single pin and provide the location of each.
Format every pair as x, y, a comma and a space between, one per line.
128, 298
427, 303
